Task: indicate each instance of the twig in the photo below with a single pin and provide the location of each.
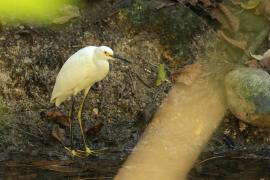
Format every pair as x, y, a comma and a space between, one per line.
78, 46
14, 164
142, 81
132, 80
164, 5
255, 44
154, 65
28, 133
215, 157
96, 178
254, 157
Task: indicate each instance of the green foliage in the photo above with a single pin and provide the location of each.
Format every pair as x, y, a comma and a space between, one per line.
3, 108
162, 75
30, 11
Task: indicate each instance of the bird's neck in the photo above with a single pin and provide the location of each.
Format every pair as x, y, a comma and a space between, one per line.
101, 62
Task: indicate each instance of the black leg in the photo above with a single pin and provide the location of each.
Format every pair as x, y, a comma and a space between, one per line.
71, 120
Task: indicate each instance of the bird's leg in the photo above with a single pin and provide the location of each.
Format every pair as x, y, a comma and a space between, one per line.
71, 117
88, 151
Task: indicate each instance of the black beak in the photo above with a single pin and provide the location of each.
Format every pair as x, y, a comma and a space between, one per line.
115, 56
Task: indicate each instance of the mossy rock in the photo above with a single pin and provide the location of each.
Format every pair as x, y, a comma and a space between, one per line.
176, 26
248, 95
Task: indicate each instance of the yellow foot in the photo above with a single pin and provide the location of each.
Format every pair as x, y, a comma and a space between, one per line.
86, 152
71, 151
79, 153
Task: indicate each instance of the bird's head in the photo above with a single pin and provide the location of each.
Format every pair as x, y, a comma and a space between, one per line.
104, 52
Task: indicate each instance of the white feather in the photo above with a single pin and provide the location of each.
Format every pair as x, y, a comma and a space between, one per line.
80, 72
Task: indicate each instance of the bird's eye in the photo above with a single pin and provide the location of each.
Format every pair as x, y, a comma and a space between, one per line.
106, 53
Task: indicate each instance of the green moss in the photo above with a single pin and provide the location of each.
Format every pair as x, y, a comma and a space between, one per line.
3, 115
135, 15
3, 108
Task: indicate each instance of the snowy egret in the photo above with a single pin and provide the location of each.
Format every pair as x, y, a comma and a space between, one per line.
84, 68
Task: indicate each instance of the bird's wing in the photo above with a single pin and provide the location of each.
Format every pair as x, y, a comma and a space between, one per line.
74, 71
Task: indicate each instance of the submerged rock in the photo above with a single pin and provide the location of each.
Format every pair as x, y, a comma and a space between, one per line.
248, 95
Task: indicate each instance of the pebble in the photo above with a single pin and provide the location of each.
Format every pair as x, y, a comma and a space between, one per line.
95, 111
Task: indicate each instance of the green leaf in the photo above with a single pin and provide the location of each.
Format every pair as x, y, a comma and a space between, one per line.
162, 75
251, 4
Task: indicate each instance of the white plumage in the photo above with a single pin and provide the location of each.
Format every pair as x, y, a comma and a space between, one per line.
81, 71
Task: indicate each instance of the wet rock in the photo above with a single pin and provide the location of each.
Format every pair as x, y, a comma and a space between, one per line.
248, 95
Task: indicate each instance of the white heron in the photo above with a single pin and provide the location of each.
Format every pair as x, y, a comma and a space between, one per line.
84, 68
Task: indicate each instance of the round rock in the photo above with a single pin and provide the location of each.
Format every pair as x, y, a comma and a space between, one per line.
248, 95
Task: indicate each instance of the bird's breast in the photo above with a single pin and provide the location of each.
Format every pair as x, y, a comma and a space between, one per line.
101, 70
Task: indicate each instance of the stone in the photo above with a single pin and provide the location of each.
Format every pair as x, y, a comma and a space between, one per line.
248, 95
